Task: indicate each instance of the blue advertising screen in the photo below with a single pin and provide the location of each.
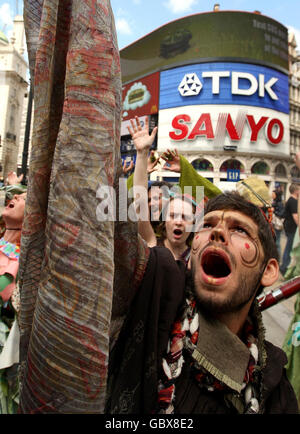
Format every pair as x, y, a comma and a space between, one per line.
224, 83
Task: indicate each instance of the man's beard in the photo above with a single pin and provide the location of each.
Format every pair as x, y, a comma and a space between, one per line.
235, 301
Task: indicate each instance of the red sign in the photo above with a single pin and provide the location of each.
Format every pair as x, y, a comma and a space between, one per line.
140, 97
203, 127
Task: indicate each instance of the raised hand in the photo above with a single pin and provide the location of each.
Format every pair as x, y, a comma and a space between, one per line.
128, 168
142, 140
172, 160
13, 179
152, 162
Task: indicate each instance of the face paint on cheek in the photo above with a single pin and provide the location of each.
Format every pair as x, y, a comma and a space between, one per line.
196, 244
250, 254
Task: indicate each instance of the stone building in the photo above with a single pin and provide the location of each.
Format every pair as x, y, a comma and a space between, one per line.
13, 87
294, 85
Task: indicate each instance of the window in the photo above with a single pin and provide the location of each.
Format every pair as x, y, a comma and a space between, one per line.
202, 165
260, 168
280, 171
232, 165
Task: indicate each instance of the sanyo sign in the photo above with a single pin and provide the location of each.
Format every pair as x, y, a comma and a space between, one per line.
224, 83
192, 86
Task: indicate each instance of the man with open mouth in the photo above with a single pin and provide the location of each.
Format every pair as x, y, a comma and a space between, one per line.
193, 340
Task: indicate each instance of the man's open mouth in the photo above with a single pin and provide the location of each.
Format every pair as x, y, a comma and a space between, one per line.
11, 205
215, 263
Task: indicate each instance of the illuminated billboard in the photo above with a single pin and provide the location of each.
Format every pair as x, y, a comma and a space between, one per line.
218, 127
140, 97
207, 37
224, 83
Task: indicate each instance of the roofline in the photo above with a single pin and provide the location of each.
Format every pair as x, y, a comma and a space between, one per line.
202, 13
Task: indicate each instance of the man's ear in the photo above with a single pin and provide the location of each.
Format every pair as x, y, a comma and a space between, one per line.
271, 273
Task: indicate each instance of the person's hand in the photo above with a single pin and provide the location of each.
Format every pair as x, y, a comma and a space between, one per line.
142, 140
297, 160
13, 179
152, 162
127, 169
172, 161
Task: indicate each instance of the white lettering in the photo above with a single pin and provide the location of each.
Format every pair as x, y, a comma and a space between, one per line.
215, 76
267, 86
106, 210
236, 76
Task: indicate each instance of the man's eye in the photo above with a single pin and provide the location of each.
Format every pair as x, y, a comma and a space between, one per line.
240, 229
207, 225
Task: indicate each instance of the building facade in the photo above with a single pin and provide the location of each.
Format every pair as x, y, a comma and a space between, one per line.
223, 89
13, 87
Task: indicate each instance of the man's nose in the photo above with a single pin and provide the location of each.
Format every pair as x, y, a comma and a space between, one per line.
219, 234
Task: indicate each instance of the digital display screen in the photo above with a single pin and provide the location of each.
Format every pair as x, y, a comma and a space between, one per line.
224, 35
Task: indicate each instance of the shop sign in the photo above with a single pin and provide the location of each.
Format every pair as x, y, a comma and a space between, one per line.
233, 175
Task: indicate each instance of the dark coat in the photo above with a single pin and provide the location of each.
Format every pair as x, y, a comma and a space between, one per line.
135, 362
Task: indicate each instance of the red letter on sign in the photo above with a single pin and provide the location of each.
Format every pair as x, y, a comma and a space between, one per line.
279, 137
255, 128
231, 129
208, 131
178, 125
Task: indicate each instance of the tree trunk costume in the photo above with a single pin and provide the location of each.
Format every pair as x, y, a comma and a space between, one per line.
68, 256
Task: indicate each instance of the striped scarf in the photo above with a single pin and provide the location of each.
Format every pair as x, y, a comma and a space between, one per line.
184, 335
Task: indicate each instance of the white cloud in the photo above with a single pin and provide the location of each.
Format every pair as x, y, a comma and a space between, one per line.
6, 16
179, 6
123, 26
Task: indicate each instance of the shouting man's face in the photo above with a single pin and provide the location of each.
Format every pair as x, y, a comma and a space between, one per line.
227, 261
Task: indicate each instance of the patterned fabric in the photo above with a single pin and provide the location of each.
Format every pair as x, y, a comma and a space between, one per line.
69, 261
184, 336
12, 251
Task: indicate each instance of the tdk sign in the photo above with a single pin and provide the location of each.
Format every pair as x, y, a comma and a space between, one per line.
224, 83
191, 85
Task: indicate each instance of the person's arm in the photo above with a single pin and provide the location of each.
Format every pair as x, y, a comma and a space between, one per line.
142, 141
151, 167
189, 176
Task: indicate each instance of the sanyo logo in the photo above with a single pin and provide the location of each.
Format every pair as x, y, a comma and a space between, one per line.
242, 83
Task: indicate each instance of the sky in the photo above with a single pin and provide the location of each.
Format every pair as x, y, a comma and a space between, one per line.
136, 18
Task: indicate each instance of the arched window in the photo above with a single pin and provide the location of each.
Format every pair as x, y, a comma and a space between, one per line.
232, 165
280, 171
295, 172
202, 165
260, 168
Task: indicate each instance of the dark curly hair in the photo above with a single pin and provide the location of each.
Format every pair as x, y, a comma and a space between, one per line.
235, 202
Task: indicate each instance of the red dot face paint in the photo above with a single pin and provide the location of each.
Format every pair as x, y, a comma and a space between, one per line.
247, 246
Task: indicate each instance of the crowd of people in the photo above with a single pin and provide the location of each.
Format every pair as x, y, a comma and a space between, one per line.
201, 346
215, 270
